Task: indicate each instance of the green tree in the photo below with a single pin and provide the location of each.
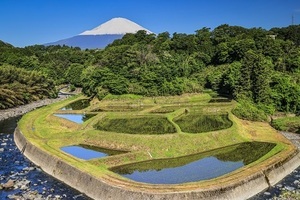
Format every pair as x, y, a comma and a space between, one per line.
73, 74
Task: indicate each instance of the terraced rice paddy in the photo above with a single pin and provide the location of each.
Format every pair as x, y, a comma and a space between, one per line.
153, 132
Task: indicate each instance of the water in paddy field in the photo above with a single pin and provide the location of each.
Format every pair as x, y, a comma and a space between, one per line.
77, 105
86, 152
30, 181
77, 118
198, 167
203, 169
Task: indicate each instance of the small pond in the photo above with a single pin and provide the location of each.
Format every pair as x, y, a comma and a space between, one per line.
87, 152
196, 167
77, 118
77, 105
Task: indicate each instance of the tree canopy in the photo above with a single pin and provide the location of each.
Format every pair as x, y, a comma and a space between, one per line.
257, 66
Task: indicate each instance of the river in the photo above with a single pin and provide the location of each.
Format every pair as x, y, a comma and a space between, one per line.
32, 183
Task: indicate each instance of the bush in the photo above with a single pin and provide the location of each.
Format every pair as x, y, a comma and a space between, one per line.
101, 92
247, 110
72, 88
291, 124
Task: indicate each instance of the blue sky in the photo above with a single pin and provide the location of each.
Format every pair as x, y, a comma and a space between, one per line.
29, 22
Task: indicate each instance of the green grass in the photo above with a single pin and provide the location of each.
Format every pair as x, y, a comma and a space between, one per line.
291, 124
185, 98
140, 125
198, 123
122, 97
120, 108
166, 109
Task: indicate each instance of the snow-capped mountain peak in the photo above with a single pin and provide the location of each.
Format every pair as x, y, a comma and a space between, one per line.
102, 35
116, 26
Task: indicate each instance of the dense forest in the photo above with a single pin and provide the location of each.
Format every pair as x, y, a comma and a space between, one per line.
19, 86
259, 68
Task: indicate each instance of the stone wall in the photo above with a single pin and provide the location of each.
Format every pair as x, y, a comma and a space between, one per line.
97, 188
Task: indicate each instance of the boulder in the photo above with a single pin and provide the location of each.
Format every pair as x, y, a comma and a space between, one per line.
23, 187
32, 195
267, 193
9, 184
13, 196
23, 184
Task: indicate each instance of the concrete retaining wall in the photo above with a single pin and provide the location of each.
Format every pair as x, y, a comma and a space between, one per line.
279, 171
99, 189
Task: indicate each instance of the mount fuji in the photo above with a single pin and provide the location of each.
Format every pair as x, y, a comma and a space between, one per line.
102, 35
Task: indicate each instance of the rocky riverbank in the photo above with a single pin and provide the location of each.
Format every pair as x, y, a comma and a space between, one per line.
21, 110
20, 179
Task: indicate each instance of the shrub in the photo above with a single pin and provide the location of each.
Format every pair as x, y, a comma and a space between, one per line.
72, 88
247, 110
291, 124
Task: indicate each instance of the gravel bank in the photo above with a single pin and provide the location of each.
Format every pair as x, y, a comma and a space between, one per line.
21, 110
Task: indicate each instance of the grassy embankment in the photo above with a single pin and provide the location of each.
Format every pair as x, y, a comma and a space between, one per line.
290, 124
51, 133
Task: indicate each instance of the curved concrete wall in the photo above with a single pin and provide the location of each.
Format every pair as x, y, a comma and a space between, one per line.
99, 189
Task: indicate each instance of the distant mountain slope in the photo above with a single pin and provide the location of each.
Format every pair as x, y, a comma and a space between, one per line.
102, 35
5, 44
88, 41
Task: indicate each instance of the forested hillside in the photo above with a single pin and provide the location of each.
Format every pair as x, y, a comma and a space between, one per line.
20, 86
258, 68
